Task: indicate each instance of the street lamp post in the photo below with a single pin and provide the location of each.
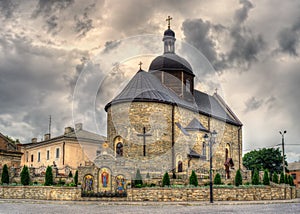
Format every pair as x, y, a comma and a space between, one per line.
211, 140
282, 143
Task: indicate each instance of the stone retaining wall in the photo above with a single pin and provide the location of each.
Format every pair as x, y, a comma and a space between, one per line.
153, 194
220, 194
40, 192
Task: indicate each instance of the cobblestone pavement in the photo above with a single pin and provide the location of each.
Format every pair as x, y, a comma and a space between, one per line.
35, 206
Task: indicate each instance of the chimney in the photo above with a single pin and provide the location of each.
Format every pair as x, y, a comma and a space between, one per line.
78, 126
34, 140
47, 136
68, 130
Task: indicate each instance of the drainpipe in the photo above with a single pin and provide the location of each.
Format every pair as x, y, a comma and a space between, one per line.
173, 139
63, 153
239, 145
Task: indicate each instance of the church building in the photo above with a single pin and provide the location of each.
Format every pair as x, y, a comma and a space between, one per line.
157, 124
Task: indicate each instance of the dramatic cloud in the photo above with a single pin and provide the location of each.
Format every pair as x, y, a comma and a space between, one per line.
46, 46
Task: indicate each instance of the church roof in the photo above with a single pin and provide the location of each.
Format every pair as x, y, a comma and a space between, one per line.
146, 87
195, 125
170, 62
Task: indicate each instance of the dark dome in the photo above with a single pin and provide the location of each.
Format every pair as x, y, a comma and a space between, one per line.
169, 32
170, 61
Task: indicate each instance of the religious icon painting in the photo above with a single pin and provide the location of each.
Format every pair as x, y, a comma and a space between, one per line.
104, 179
88, 183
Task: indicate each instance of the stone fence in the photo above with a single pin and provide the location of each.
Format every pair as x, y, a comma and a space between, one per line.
220, 194
154, 194
40, 192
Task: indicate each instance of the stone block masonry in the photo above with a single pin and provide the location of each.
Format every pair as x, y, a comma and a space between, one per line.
153, 194
40, 192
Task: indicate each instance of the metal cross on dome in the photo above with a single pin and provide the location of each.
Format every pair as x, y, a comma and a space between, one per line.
144, 135
169, 21
140, 64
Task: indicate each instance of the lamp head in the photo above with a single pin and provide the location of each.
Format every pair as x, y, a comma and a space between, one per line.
214, 134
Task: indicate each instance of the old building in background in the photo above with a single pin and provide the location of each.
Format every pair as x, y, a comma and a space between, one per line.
10, 152
64, 153
294, 170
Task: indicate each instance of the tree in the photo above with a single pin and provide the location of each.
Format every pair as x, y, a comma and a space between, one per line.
76, 178
25, 177
266, 180
217, 180
291, 181
286, 179
5, 175
193, 179
275, 178
281, 180
166, 180
238, 178
255, 178
138, 178
70, 174
49, 176
266, 158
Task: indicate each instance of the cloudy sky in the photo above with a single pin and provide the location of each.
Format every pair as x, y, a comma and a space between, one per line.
253, 46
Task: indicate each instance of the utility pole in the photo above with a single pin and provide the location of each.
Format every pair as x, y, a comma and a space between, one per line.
282, 143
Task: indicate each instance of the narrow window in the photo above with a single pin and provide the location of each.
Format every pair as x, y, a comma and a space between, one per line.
204, 149
39, 157
31, 158
119, 149
57, 152
48, 154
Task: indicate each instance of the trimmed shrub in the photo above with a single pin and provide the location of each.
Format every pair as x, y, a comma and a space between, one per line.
291, 180
25, 177
76, 178
49, 176
138, 178
166, 180
238, 178
148, 175
255, 178
5, 175
217, 179
70, 174
266, 180
281, 181
193, 179
286, 179
275, 178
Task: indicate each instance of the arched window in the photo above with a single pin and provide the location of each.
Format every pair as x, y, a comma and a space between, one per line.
119, 149
179, 166
204, 149
227, 151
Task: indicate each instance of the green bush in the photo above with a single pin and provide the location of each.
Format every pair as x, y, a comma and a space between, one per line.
238, 178
286, 179
138, 178
148, 175
76, 178
166, 180
266, 179
217, 179
291, 180
5, 175
255, 178
70, 174
193, 179
25, 177
281, 180
49, 176
275, 178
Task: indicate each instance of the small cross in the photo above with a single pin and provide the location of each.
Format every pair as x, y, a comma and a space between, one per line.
140, 64
216, 90
169, 21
